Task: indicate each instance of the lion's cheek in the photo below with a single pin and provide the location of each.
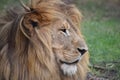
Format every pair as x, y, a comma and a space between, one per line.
68, 70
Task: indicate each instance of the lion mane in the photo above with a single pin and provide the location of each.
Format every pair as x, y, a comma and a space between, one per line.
27, 57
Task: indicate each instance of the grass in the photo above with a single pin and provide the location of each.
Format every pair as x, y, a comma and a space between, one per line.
103, 39
3, 3
101, 28
8, 3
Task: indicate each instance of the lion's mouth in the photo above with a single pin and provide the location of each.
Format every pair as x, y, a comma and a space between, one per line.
69, 63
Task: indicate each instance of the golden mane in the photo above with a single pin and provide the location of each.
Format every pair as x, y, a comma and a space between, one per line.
26, 58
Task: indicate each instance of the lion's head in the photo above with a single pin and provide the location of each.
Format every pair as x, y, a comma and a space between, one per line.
48, 44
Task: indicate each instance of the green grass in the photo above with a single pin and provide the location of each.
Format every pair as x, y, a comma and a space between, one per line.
4, 3
101, 28
8, 3
103, 39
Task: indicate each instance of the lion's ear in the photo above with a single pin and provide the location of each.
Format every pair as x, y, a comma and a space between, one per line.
30, 25
74, 14
33, 23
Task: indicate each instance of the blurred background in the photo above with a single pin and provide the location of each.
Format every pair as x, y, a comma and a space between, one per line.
101, 28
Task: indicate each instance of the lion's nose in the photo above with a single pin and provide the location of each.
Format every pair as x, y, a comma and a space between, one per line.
82, 51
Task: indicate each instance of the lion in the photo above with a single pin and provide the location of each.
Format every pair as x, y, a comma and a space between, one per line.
42, 41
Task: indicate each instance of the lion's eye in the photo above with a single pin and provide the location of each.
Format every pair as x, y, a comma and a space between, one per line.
65, 32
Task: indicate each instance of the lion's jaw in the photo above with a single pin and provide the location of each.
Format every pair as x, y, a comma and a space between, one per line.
68, 69
68, 64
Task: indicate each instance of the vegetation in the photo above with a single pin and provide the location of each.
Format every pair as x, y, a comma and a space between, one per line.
101, 28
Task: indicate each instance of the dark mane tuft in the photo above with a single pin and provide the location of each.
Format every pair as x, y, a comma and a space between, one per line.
9, 22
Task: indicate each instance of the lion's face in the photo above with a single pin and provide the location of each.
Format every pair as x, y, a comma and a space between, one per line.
67, 42
68, 46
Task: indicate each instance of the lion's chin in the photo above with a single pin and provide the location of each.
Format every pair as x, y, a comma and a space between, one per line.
68, 70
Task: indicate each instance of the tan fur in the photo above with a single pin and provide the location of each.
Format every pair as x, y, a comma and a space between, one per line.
28, 53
